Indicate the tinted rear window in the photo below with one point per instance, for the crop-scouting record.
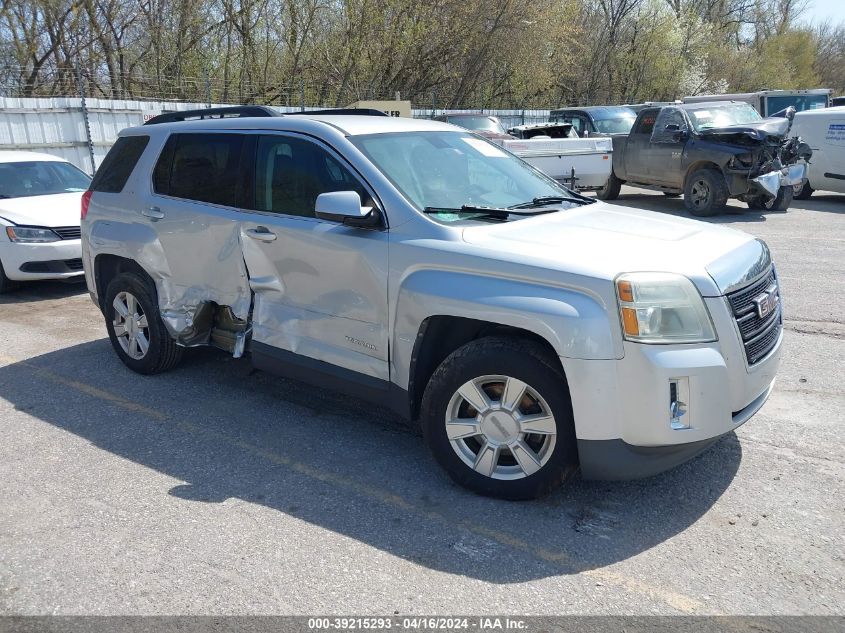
(201, 167)
(118, 164)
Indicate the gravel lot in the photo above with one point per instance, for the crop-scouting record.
(212, 489)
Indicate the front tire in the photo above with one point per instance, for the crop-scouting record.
(802, 192)
(705, 193)
(780, 202)
(6, 284)
(611, 189)
(497, 416)
(135, 328)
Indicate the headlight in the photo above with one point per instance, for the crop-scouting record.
(30, 235)
(662, 308)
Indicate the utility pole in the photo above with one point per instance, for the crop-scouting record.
(81, 87)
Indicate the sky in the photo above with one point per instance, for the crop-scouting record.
(821, 11)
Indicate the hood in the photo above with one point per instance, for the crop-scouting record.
(60, 209)
(601, 240)
(757, 131)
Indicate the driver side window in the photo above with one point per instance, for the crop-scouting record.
(670, 123)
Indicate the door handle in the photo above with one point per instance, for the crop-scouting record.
(153, 212)
(261, 233)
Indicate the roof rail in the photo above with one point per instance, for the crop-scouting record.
(213, 113)
(357, 111)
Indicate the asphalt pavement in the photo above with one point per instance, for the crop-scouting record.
(215, 489)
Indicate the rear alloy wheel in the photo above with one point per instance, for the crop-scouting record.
(497, 416)
(130, 325)
(135, 328)
(706, 193)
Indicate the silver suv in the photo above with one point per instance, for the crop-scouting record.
(529, 329)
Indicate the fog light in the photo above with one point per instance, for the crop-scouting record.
(679, 403)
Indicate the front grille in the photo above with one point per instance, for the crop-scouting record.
(759, 334)
(74, 264)
(68, 232)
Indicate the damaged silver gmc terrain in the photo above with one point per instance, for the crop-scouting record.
(529, 329)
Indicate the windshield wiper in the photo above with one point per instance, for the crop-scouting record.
(546, 200)
(493, 212)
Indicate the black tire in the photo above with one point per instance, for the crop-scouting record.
(705, 193)
(525, 361)
(780, 202)
(611, 189)
(671, 194)
(6, 284)
(163, 353)
(804, 192)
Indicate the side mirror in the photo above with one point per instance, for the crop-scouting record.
(345, 207)
(680, 136)
(790, 112)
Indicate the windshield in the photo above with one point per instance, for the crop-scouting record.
(40, 178)
(449, 170)
(800, 103)
(716, 116)
(478, 123)
(619, 125)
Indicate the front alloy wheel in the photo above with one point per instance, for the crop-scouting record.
(130, 325)
(497, 416)
(501, 427)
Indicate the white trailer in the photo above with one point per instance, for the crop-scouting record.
(584, 162)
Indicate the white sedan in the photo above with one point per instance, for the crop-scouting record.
(40, 197)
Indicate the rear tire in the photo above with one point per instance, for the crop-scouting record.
(780, 202)
(803, 192)
(705, 193)
(611, 189)
(518, 440)
(135, 328)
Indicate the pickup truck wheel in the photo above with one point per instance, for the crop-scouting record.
(611, 189)
(497, 416)
(706, 193)
(802, 192)
(780, 202)
(135, 328)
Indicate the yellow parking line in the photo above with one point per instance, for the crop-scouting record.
(675, 600)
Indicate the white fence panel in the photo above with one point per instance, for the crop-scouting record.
(56, 125)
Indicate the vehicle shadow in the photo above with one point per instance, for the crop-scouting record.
(33, 291)
(228, 431)
(735, 212)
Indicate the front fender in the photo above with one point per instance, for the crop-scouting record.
(577, 324)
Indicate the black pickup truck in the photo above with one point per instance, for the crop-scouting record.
(709, 152)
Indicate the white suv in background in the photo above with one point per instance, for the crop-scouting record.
(39, 217)
(528, 328)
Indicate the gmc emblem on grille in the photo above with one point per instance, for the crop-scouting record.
(766, 301)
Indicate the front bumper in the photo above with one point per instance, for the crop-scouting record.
(51, 260)
(622, 407)
(788, 176)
